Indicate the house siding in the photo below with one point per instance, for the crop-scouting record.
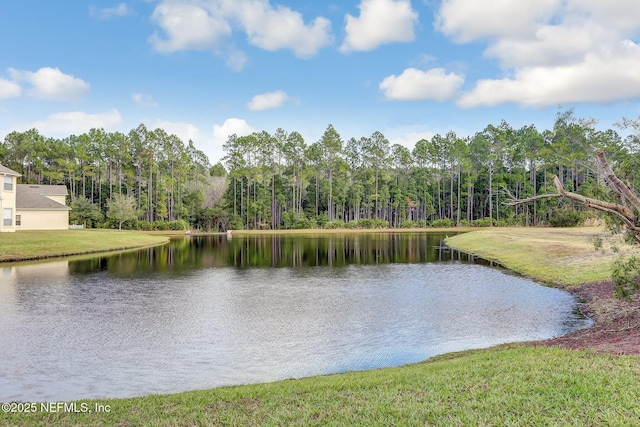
(43, 220)
(8, 202)
(40, 207)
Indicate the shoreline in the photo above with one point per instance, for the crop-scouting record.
(42, 246)
(616, 323)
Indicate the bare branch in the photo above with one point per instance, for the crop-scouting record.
(626, 211)
(616, 184)
(630, 225)
(513, 201)
(594, 203)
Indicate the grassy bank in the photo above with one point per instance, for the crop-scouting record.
(513, 385)
(31, 245)
(560, 256)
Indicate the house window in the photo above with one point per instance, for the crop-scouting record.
(18, 220)
(8, 183)
(8, 217)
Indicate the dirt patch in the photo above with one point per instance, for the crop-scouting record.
(562, 250)
(616, 328)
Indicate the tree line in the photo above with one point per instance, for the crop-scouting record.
(278, 180)
(168, 180)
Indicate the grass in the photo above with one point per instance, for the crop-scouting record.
(31, 245)
(510, 385)
(558, 256)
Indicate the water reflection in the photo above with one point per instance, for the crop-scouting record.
(204, 311)
(185, 254)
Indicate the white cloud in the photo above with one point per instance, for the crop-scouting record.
(207, 25)
(409, 138)
(51, 83)
(9, 89)
(235, 59)
(267, 101)
(551, 45)
(144, 100)
(551, 51)
(597, 79)
(230, 126)
(281, 28)
(380, 22)
(76, 122)
(184, 131)
(112, 12)
(414, 85)
(619, 14)
(467, 20)
(189, 26)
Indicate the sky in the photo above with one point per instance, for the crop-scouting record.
(205, 69)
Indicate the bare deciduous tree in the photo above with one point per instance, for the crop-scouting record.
(214, 191)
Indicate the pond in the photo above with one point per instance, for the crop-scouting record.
(206, 311)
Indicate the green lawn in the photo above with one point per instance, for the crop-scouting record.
(559, 256)
(30, 245)
(512, 385)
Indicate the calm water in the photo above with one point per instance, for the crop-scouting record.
(204, 311)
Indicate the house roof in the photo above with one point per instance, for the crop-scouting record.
(6, 171)
(35, 197)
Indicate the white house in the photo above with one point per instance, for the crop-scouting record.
(41, 207)
(32, 207)
(9, 179)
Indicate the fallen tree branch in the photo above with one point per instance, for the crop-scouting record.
(514, 201)
(615, 183)
(626, 211)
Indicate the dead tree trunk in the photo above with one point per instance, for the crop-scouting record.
(626, 207)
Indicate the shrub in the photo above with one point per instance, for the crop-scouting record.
(408, 224)
(322, 219)
(143, 225)
(484, 222)
(380, 223)
(235, 223)
(160, 225)
(337, 223)
(566, 218)
(178, 224)
(421, 223)
(287, 219)
(597, 241)
(365, 223)
(444, 222)
(625, 273)
(304, 222)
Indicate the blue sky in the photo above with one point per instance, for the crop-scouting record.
(203, 69)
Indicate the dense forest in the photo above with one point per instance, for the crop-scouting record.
(273, 181)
